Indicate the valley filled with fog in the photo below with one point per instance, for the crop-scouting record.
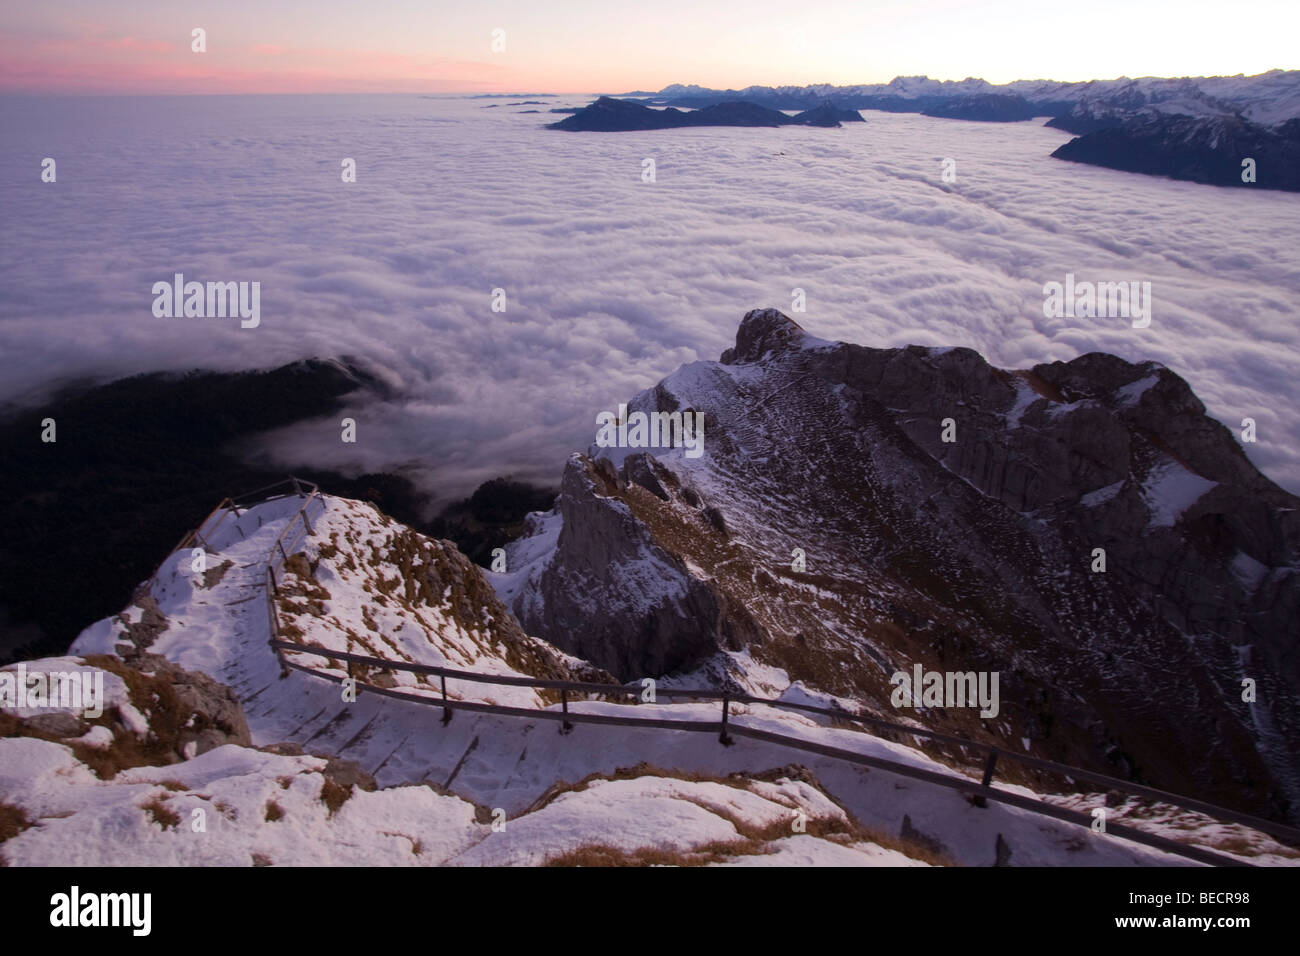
(610, 282)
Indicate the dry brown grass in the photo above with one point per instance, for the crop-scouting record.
(273, 811)
(13, 821)
(600, 854)
(1244, 846)
(212, 576)
(162, 814)
(334, 795)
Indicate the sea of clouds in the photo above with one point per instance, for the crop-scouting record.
(611, 282)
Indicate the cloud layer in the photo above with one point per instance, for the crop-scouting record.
(611, 282)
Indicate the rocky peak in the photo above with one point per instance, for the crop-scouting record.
(763, 331)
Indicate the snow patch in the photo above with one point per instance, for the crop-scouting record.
(1102, 495)
(1169, 490)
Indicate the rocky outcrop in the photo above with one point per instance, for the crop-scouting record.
(154, 713)
(612, 595)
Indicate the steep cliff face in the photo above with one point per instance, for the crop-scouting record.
(613, 594)
(830, 534)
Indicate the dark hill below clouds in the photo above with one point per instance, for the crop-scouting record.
(609, 115)
(140, 461)
(828, 114)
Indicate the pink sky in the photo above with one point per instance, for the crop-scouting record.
(290, 46)
(130, 64)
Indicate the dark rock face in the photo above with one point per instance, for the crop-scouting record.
(607, 559)
(612, 115)
(222, 714)
(213, 713)
(762, 332)
(1203, 150)
(984, 107)
(978, 553)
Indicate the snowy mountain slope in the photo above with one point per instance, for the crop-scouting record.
(974, 555)
(219, 625)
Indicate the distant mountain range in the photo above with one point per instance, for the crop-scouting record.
(1201, 129)
(1267, 98)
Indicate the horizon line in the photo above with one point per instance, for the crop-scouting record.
(19, 92)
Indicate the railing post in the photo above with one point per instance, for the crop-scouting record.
(565, 726)
(446, 711)
(989, 766)
(724, 738)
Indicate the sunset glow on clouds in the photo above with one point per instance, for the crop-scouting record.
(143, 46)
